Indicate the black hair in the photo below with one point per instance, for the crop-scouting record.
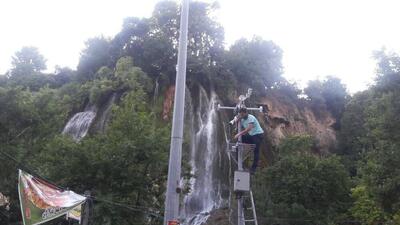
(243, 110)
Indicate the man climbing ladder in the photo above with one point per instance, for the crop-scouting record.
(252, 133)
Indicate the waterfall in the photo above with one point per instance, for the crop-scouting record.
(78, 126)
(210, 175)
(103, 114)
(156, 90)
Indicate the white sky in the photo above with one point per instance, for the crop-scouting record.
(318, 37)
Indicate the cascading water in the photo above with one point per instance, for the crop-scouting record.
(209, 181)
(78, 126)
(156, 90)
(103, 114)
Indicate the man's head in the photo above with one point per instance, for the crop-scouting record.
(243, 112)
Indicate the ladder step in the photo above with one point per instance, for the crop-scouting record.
(249, 220)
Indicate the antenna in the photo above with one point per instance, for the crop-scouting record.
(239, 105)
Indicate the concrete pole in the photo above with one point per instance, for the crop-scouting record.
(175, 157)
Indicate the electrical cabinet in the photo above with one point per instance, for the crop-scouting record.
(241, 181)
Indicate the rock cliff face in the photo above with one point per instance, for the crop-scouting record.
(285, 118)
(168, 102)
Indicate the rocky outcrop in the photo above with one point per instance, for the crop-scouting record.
(168, 102)
(284, 117)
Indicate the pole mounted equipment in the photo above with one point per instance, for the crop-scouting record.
(242, 177)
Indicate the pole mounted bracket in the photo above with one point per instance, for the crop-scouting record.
(240, 104)
(259, 109)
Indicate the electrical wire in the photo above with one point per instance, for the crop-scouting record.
(142, 209)
(28, 169)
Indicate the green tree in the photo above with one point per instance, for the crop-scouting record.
(330, 94)
(314, 92)
(126, 77)
(256, 63)
(296, 145)
(27, 61)
(63, 75)
(3, 80)
(301, 188)
(335, 95)
(365, 209)
(27, 66)
(382, 176)
(388, 64)
(153, 43)
(129, 77)
(370, 136)
(95, 55)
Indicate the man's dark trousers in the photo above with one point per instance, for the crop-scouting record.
(256, 140)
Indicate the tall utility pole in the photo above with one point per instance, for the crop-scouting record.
(174, 168)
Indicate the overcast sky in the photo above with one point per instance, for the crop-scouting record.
(318, 37)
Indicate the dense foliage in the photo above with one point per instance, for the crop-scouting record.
(126, 164)
(370, 135)
(302, 188)
(358, 183)
(329, 93)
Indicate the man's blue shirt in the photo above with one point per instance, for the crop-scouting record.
(256, 125)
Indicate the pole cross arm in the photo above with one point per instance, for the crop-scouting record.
(260, 109)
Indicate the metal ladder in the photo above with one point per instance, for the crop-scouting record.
(245, 217)
(253, 219)
(239, 152)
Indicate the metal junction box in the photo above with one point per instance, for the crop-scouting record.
(241, 181)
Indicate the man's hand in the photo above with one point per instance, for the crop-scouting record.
(251, 126)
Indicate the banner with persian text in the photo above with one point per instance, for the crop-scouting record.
(41, 201)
